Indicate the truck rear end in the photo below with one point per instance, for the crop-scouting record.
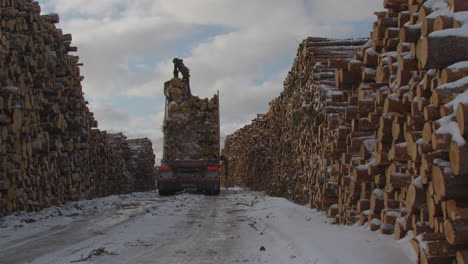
(202, 176)
(191, 155)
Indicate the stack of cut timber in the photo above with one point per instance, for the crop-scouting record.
(191, 124)
(384, 142)
(49, 151)
(283, 146)
(141, 163)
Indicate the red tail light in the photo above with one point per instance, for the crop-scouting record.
(164, 168)
(212, 168)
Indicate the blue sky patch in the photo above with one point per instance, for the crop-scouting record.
(362, 29)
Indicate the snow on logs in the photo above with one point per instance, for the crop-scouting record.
(384, 141)
(50, 150)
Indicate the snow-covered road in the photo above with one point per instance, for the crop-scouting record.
(239, 226)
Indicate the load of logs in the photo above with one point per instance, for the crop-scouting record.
(191, 124)
(375, 136)
(50, 150)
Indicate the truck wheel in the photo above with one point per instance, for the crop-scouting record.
(214, 191)
(164, 192)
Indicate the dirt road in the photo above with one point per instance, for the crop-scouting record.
(239, 226)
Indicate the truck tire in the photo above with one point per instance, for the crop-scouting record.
(214, 191)
(165, 192)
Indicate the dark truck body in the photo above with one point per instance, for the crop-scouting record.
(188, 174)
(182, 167)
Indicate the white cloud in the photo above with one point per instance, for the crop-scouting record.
(108, 115)
(117, 38)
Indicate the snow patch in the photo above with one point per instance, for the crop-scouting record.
(418, 183)
(370, 145)
(451, 32)
(458, 66)
(435, 4)
(379, 193)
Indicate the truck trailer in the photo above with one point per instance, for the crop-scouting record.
(191, 128)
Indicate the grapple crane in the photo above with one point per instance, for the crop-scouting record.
(180, 67)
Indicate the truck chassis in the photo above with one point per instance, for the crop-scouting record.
(177, 176)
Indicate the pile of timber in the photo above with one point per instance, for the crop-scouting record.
(191, 124)
(140, 163)
(50, 150)
(281, 150)
(377, 137)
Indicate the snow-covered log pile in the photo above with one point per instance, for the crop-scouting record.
(383, 143)
(191, 130)
(49, 152)
(282, 150)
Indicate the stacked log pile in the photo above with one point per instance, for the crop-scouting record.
(191, 130)
(141, 163)
(279, 151)
(49, 149)
(382, 143)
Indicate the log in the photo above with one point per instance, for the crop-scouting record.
(399, 232)
(370, 58)
(462, 256)
(459, 159)
(447, 92)
(457, 5)
(441, 141)
(432, 50)
(456, 210)
(415, 245)
(377, 201)
(432, 236)
(431, 113)
(416, 195)
(446, 185)
(398, 152)
(454, 72)
(435, 259)
(403, 17)
(456, 231)
(394, 104)
(439, 248)
(462, 118)
(410, 33)
(399, 179)
(443, 22)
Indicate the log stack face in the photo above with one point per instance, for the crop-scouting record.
(280, 151)
(140, 163)
(376, 136)
(50, 151)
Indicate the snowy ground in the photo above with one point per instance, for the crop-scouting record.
(239, 226)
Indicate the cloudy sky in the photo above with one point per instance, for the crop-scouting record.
(243, 48)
